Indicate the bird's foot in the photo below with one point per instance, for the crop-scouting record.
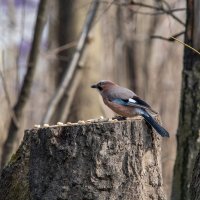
(119, 118)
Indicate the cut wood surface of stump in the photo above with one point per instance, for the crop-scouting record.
(97, 161)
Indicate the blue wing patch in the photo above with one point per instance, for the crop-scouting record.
(131, 102)
(135, 102)
(125, 102)
(120, 102)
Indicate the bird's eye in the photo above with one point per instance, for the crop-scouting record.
(100, 86)
(101, 83)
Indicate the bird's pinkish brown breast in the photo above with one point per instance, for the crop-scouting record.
(119, 109)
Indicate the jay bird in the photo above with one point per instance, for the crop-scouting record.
(126, 103)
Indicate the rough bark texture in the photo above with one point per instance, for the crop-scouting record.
(195, 184)
(188, 144)
(112, 160)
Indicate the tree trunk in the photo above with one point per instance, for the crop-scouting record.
(113, 160)
(188, 144)
(195, 184)
(24, 94)
(118, 45)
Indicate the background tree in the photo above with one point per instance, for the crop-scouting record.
(120, 48)
(19, 107)
(189, 118)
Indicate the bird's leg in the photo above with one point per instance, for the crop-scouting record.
(119, 118)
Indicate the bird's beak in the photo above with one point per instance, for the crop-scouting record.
(94, 86)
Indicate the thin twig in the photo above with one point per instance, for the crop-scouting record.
(157, 13)
(167, 11)
(27, 83)
(132, 3)
(104, 11)
(60, 48)
(4, 85)
(73, 64)
(185, 44)
(170, 13)
(170, 39)
(22, 30)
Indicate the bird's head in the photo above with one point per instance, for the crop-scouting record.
(103, 85)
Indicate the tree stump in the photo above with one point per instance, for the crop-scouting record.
(97, 161)
(195, 184)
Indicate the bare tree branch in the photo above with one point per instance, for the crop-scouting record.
(104, 11)
(27, 83)
(167, 11)
(184, 44)
(73, 64)
(4, 85)
(61, 48)
(158, 13)
(22, 33)
(170, 39)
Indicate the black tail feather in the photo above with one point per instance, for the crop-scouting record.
(155, 125)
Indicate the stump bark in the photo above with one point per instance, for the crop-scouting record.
(195, 183)
(98, 161)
